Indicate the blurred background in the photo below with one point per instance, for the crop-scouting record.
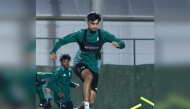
(155, 59)
(126, 74)
(17, 56)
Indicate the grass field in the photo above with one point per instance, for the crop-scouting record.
(119, 87)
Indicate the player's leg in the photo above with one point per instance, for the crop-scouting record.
(83, 72)
(45, 104)
(62, 106)
(87, 76)
(94, 88)
(70, 105)
(92, 99)
(42, 104)
(49, 104)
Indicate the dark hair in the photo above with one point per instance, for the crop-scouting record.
(92, 16)
(65, 57)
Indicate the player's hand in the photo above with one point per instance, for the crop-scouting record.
(47, 90)
(77, 86)
(53, 56)
(115, 44)
(61, 95)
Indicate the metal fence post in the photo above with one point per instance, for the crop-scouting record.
(134, 68)
(54, 62)
(134, 52)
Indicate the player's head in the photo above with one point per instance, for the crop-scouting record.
(65, 60)
(93, 19)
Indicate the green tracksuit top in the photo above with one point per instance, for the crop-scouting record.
(91, 59)
(61, 81)
(40, 90)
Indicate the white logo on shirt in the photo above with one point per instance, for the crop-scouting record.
(63, 105)
(91, 47)
(97, 38)
(41, 104)
(69, 74)
(96, 88)
(82, 67)
(64, 75)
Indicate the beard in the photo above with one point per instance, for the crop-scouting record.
(93, 29)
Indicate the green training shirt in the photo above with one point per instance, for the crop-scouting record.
(61, 81)
(91, 59)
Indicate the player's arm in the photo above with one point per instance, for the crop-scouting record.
(52, 82)
(114, 40)
(63, 41)
(44, 74)
(73, 84)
